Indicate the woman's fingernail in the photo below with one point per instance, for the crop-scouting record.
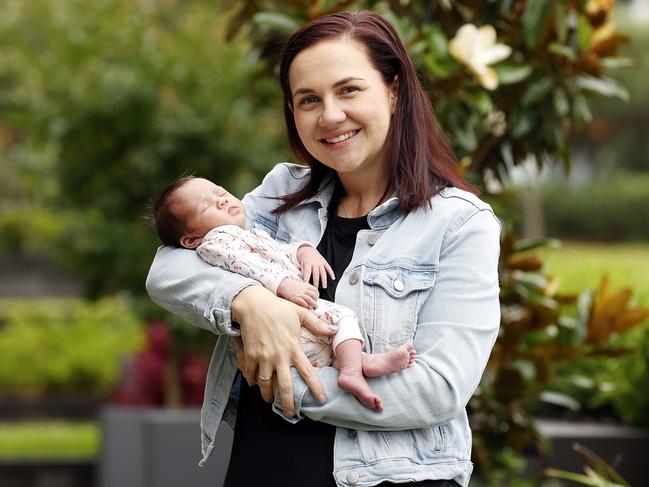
(322, 398)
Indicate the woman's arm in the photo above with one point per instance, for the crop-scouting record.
(457, 329)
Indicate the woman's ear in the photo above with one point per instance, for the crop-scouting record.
(394, 93)
(190, 242)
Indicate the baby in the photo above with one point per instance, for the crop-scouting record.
(196, 214)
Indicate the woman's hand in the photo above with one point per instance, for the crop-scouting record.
(270, 329)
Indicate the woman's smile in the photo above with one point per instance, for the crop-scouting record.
(337, 140)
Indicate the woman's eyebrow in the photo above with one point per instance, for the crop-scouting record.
(302, 91)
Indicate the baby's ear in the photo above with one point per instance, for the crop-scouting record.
(190, 242)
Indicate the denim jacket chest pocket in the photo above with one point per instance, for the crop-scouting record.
(393, 295)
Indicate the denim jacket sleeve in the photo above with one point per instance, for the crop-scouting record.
(456, 329)
(183, 284)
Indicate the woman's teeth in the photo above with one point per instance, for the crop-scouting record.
(342, 137)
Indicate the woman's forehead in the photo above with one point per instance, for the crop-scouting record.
(330, 61)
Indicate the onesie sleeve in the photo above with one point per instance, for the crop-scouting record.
(229, 250)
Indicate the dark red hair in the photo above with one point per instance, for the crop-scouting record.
(420, 159)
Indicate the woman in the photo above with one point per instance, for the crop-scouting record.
(415, 255)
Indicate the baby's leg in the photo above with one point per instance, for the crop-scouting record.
(348, 348)
(351, 379)
(378, 364)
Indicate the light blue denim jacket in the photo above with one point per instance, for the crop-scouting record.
(430, 276)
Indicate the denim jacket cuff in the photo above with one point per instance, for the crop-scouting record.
(218, 310)
(299, 390)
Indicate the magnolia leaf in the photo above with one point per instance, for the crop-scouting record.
(521, 123)
(509, 73)
(562, 50)
(559, 399)
(610, 351)
(525, 244)
(618, 62)
(581, 110)
(528, 263)
(584, 33)
(560, 21)
(535, 19)
(536, 91)
(277, 21)
(604, 86)
(561, 104)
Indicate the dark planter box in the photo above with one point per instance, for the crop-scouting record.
(159, 448)
(47, 473)
(623, 447)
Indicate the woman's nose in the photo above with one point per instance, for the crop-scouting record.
(332, 114)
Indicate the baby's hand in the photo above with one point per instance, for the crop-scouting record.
(298, 292)
(313, 265)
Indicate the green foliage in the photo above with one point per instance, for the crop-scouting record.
(539, 340)
(113, 100)
(65, 345)
(615, 385)
(609, 208)
(49, 439)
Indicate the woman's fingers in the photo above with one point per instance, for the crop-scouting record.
(308, 373)
(315, 324)
(250, 370)
(265, 383)
(285, 388)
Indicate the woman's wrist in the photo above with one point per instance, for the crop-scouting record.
(244, 300)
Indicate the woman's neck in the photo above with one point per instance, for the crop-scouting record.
(360, 196)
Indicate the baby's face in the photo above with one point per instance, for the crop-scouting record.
(203, 205)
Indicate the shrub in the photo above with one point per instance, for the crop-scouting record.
(612, 209)
(65, 345)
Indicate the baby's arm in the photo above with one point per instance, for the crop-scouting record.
(229, 251)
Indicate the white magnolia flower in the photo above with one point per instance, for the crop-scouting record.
(477, 49)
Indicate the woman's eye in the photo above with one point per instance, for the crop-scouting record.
(349, 89)
(308, 100)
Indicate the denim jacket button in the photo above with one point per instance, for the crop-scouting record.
(352, 434)
(398, 285)
(352, 478)
(353, 278)
(372, 239)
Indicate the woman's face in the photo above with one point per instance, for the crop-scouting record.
(342, 107)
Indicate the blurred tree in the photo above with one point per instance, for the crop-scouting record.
(106, 103)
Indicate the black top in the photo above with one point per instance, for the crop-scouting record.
(269, 451)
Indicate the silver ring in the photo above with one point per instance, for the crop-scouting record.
(261, 377)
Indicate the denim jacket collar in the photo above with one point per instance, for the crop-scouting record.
(379, 218)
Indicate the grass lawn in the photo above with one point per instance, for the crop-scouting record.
(581, 265)
(49, 439)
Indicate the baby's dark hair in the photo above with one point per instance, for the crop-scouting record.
(168, 225)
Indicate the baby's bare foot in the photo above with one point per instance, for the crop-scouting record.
(377, 364)
(352, 381)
